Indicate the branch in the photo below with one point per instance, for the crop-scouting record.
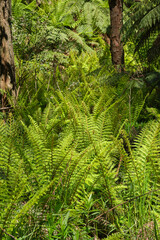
(5, 108)
(3, 230)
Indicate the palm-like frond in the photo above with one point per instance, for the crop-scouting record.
(144, 26)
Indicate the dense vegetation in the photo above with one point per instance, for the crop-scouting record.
(80, 142)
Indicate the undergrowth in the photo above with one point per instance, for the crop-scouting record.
(80, 143)
(79, 167)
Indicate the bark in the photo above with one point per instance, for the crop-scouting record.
(7, 68)
(116, 18)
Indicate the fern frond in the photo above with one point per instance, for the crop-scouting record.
(13, 180)
(79, 40)
(145, 24)
(141, 160)
(115, 236)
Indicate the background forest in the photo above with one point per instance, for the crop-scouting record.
(80, 136)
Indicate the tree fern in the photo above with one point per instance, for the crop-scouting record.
(94, 16)
(145, 23)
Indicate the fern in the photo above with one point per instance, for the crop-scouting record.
(140, 172)
(145, 23)
(94, 16)
(14, 181)
(71, 150)
(143, 148)
(114, 236)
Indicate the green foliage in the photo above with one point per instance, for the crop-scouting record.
(94, 17)
(80, 146)
(143, 25)
(114, 236)
(68, 157)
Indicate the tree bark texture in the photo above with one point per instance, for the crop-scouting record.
(116, 18)
(7, 68)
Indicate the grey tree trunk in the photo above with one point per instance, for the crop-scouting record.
(116, 18)
(7, 68)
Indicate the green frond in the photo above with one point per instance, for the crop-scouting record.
(146, 145)
(144, 23)
(115, 236)
(141, 162)
(79, 40)
(95, 15)
(19, 8)
(136, 108)
(13, 180)
(154, 50)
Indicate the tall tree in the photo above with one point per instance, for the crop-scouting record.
(116, 18)
(7, 68)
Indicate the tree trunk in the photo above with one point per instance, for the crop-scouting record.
(116, 18)
(7, 68)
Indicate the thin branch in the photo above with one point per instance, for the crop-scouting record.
(119, 166)
(3, 230)
(5, 108)
(111, 209)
